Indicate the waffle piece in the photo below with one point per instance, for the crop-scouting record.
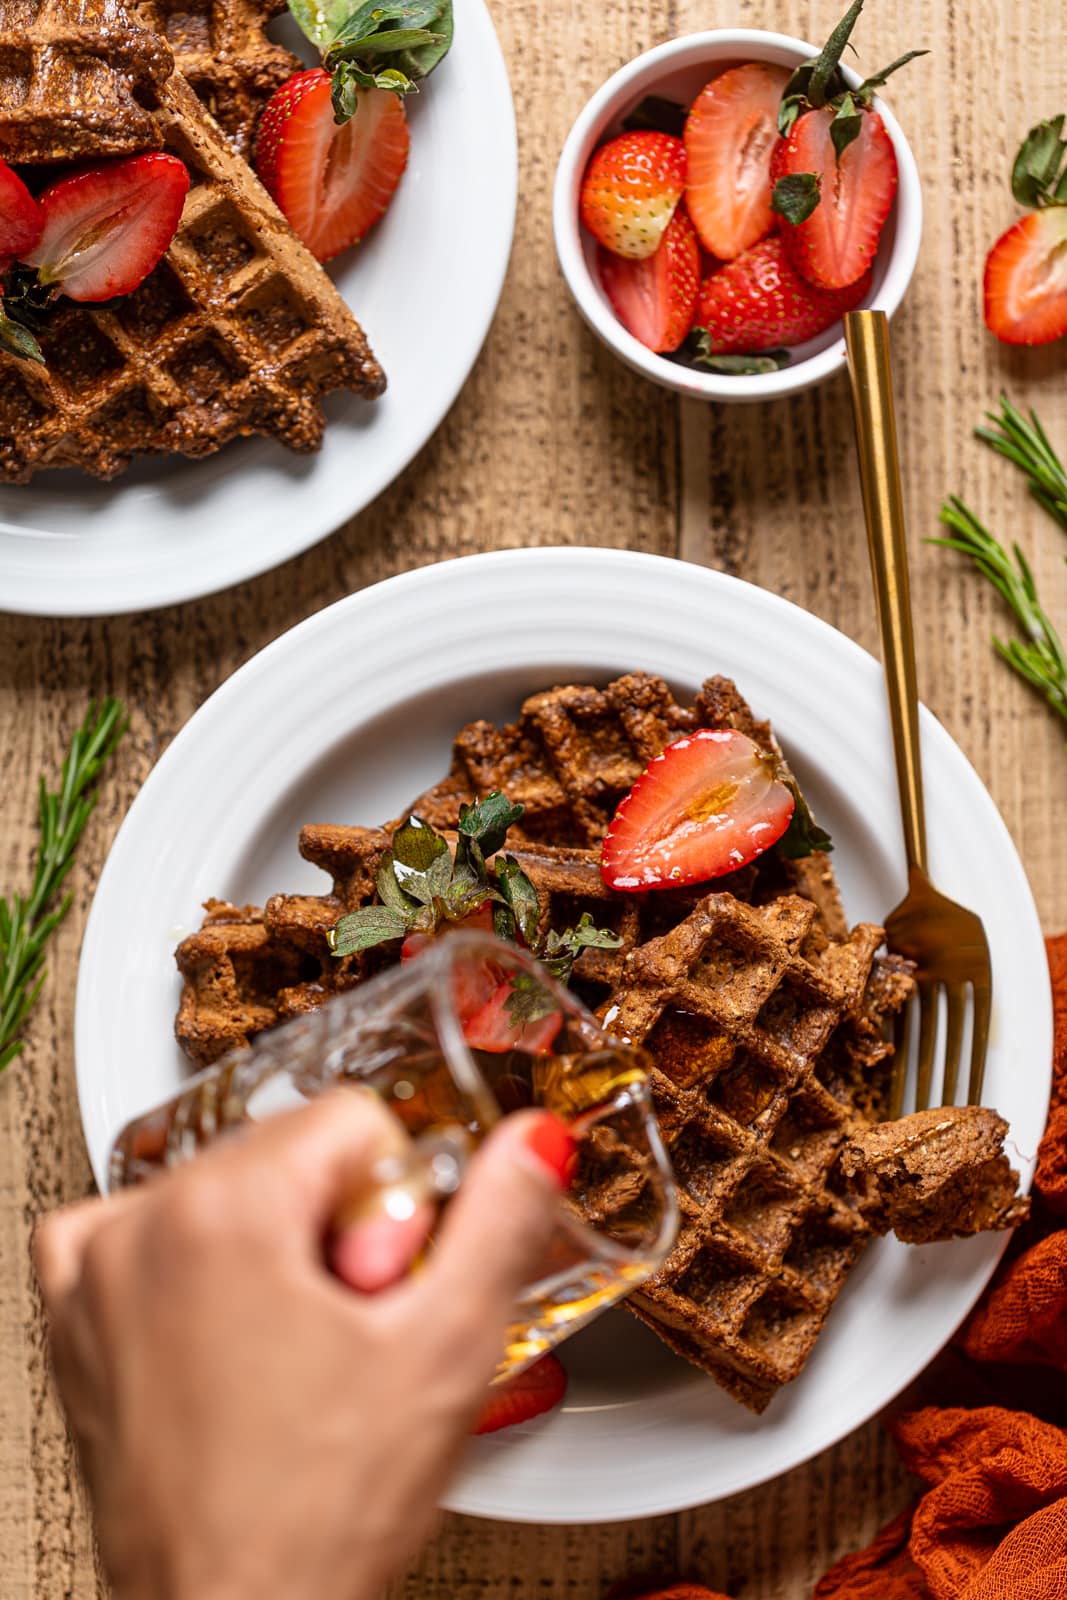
(237, 331)
(937, 1174)
(569, 759)
(736, 1019)
(221, 49)
(78, 79)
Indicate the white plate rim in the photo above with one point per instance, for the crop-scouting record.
(566, 565)
(32, 584)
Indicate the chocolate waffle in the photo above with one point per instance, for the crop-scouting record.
(937, 1174)
(78, 79)
(221, 49)
(736, 1011)
(237, 331)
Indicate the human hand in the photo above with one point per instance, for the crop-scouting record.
(248, 1424)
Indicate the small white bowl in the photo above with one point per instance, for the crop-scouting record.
(678, 71)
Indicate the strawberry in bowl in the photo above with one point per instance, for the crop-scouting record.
(748, 112)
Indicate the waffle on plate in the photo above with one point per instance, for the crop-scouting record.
(222, 51)
(237, 331)
(763, 1014)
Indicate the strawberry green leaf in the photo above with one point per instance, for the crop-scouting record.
(792, 103)
(416, 846)
(19, 341)
(795, 196)
(320, 20)
(845, 127)
(825, 74)
(804, 836)
(654, 114)
(488, 821)
(866, 89)
(698, 349)
(368, 926)
(529, 1000)
(521, 898)
(385, 46)
(561, 950)
(1038, 163)
(389, 889)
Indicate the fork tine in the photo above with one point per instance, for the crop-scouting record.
(898, 1077)
(983, 999)
(953, 1040)
(928, 993)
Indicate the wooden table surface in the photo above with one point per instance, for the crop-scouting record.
(553, 442)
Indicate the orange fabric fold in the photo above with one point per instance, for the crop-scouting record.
(991, 1470)
(992, 1524)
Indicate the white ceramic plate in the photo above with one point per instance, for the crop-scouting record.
(350, 715)
(424, 285)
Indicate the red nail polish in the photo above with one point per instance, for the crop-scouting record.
(552, 1142)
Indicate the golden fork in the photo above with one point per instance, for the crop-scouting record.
(946, 942)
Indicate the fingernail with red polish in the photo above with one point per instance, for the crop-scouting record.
(551, 1141)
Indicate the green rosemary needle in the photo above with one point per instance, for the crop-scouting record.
(1039, 657)
(1024, 441)
(27, 921)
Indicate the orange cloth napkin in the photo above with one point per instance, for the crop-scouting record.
(992, 1523)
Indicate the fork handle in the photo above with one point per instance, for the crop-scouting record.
(867, 338)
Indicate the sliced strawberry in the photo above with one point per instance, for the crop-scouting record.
(1025, 286)
(331, 183)
(709, 804)
(835, 246)
(730, 133)
(528, 1395)
(759, 301)
(655, 298)
(493, 1027)
(21, 218)
(107, 227)
(630, 190)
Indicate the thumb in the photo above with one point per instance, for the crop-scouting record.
(496, 1231)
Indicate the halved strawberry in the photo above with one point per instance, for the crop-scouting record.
(1025, 283)
(1026, 270)
(837, 242)
(528, 1395)
(21, 218)
(655, 298)
(709, 804)
(730, 133)
(759, 301)
(107, 227)
(331, 183)
(629, 192)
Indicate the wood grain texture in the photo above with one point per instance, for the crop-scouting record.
(553, 442)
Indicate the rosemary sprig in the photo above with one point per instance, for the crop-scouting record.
(26, 922)
(1024, 441)
(1040, 658)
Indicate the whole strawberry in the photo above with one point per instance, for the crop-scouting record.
(630, 190)
(759, 301)
(834, 169)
